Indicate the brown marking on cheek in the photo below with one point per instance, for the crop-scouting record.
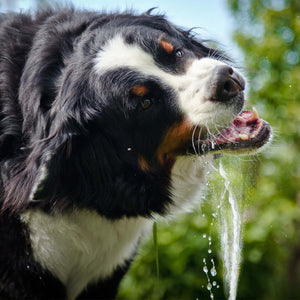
(169, 48)
(143, 164)
(139, 90)
(175, 142)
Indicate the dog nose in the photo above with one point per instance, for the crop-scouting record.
(227, 82)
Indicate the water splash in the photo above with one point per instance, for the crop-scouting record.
(209, 285)
(230, 229)
(213, 270)
(210, 270)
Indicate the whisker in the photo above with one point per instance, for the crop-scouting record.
(193, 140)
(199, 135)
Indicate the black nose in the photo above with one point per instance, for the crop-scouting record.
(227, 83)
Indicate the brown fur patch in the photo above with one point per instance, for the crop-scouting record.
(139, 90)
(143, 164)
(175, 141)
(167, 46)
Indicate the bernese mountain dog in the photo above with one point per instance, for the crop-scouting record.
(106, 120)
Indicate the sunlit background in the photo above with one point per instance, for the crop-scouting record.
(263, 36)
(212, 19)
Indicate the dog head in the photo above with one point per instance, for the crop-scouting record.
(129, 95)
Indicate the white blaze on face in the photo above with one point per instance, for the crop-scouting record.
(191, 87)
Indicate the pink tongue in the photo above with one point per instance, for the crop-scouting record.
(242, 128)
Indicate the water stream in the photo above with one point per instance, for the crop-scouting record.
(227, 215)
(230, 231)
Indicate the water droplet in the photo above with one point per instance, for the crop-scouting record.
(204, 235)
(204, 260)
(205, 269)
(213, 271)
(209, 286)
(218, 286)
(290, 85)
(214, 283)
(209, 251)
(212, 296)
(214, 215)
(209, 238)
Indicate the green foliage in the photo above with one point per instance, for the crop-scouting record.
(268, 32)
(181, 249)
(269, 35)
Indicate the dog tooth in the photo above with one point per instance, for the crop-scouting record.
(254, 114)
(243, 137)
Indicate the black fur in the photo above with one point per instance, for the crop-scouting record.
(86, 130)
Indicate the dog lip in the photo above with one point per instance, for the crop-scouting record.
(246, 133)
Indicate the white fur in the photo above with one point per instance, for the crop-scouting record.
(191, 87)
(42, 174)
(188, 178)
(82, 247)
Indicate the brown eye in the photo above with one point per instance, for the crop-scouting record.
(146, 103)
(179, 53)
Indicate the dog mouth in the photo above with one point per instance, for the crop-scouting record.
(246, 134)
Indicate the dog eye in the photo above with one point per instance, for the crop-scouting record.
(179, 53)
(146, 103)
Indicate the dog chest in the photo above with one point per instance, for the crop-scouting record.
(81, 247)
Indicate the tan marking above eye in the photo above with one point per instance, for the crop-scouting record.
(139, 90)
(169, 48)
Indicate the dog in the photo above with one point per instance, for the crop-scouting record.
(107, 120)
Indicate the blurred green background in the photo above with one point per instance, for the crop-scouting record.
(267, 185)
